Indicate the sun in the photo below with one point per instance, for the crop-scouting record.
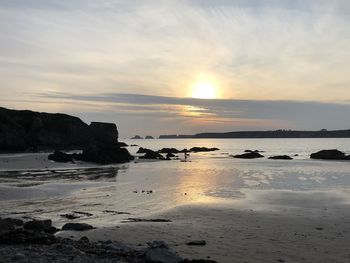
(204, 90)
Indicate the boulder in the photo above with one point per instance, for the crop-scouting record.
(330, 155)
(203, 149)
(137, 137)
(152, 155)
(249, 155)
(251, 151)
(149, 137)
(40, 225)
(106, 154)
(169, 150)
(144, 150)
(61, 157)
(6, 227)
(77, 226)
(197, 243)
(159, 252)
(281, 157)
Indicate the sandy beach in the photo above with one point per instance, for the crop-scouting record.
(293, 230)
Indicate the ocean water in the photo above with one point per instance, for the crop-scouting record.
(143, 188)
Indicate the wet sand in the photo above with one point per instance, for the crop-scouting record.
(302, 227)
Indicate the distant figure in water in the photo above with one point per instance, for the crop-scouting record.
(186, 154)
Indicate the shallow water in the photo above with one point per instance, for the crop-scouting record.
(215, 177)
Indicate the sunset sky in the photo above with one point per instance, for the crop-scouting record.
(146, 65)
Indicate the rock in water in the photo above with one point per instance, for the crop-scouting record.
(106, 154)
(330, 155)
(281, 157)
(203, 149)
(77, 226)
(249, 155)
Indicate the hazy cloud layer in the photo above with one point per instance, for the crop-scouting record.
(156, 115)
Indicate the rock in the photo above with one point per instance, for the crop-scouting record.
(122, 144)
(40, 226)
(151, 155)
(249, 155)
(23, 130)
(6, 227)
(197, 243)
(169, 150)
(281, 157)
(23, 236)
(330, 155)
(20, 258)
(144, 150)
(203, 149)
(106, 154)
(77, 226)
(137, 137)
(61, 157)
(159, 252)
(14, 221)
(149, 137)
(170, 155)
(104, 133)
(251, 151)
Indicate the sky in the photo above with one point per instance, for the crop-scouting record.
(271, 64)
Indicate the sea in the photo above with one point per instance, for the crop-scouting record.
(33, 187)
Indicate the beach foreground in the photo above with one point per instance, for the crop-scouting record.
(295, 230)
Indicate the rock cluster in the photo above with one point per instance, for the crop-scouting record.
(330, 155)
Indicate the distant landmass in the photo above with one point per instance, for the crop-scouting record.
(265, 134)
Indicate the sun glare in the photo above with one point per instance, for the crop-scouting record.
(204, 90)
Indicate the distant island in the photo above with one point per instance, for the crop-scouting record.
(265, 134)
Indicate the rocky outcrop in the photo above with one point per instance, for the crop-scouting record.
(148, 137)
(249, 155)
(138, 137)
(203, 149)
(23, 130)
(105, 154)
(281, 157)
(77, 227)
(330, 155)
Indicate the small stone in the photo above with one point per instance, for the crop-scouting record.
(197, 243)
(77, 226)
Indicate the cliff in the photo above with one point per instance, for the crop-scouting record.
(24, 130)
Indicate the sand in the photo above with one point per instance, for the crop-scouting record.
(306, 227)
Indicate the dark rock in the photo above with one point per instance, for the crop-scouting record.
(104, 133)
(149, 137)
(253, 151)
(197, 243)
(144, 150)
(14, 221)
(122, 144)
(138, 137)
(159, 252)
(23, 236)
(133, 145)
(150, 154)
(61, 157)
(170, 155)
(40, 225)
(330, 155)
(77, 226)
(6, 227)
(136, 220)
(203, 149)
(23, 130)
(249, 155)
(169, 150)
(281, 157)
(106, 154)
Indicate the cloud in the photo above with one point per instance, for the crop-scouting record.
(187, 115)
